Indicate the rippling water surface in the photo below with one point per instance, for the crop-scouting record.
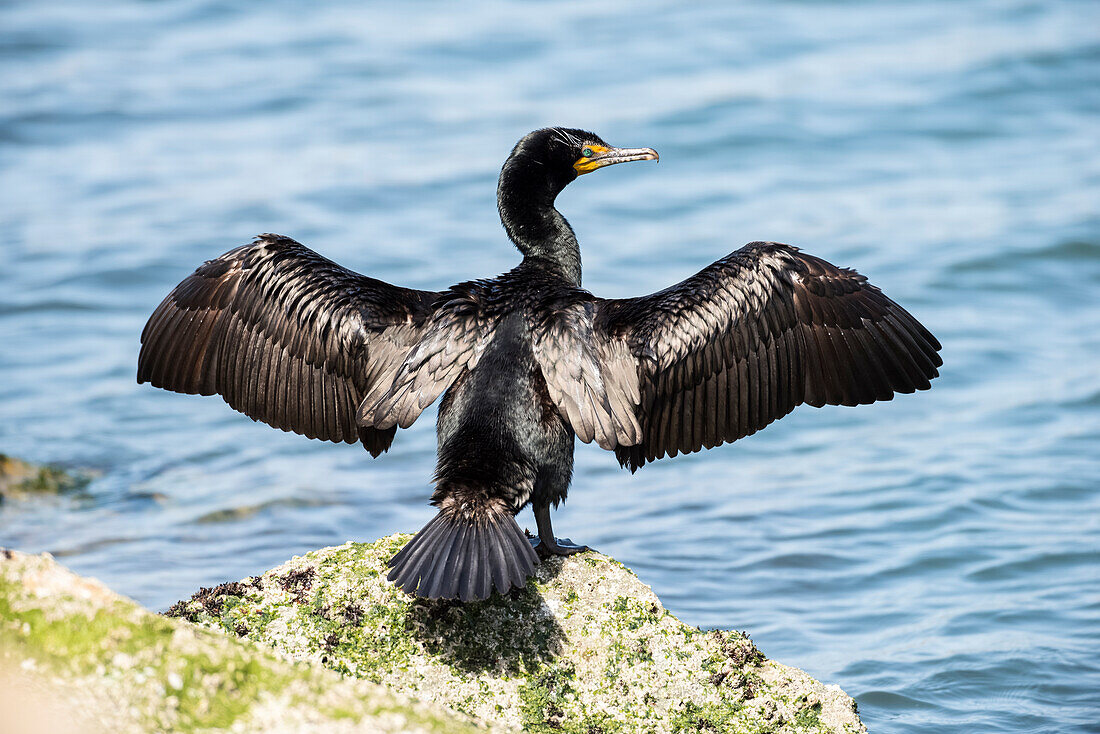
(937, 556)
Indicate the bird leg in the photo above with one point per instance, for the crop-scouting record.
(546, 542)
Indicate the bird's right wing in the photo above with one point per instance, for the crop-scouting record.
(726, 352)
(285, 336)
(753, 335)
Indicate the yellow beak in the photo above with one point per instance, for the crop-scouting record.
(602, 156)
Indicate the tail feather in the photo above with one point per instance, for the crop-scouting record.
(452, 569)
(448, 557)
(418, 556)
(498, 562)
(516, 547)
(409, 554)
(457, 556)
(479, 571)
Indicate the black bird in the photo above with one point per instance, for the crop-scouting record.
(528, 361)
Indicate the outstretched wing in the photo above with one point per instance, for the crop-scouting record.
(742, 343)
(593, 380)
(286, 337)
(451, 344)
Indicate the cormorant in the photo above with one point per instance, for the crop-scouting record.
(528, 361)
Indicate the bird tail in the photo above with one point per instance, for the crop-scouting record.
(464, 556)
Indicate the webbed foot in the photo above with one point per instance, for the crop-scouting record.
(545, 544)
(556, 546)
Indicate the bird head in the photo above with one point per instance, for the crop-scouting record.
(565, 153)
(542, 164)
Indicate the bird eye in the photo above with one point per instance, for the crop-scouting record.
(587, 153)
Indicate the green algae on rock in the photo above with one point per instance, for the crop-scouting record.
(73, 651)
(20, 479)
(585, 647)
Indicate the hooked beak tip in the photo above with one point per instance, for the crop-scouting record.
(615, 155)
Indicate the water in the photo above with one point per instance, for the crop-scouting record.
(936, 556)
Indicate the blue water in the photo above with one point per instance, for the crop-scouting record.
(937, 556)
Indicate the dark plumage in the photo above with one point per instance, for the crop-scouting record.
(528, 361)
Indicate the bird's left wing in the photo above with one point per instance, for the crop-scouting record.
(285, 336)
(727, 351)
(451, 344)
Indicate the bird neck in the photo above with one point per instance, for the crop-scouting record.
(526, 204)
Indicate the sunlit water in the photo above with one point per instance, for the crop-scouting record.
(937, 556)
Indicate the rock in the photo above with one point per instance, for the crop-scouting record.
(585, 647)
(20, 479)
(76, 657)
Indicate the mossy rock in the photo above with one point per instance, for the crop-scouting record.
(585, 647)
(75, 656)
(20, 479)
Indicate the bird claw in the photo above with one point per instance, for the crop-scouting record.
(557, 547)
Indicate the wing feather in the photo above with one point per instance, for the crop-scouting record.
(451, 343)
(286, 337)
(592, 380)
(743, 342)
